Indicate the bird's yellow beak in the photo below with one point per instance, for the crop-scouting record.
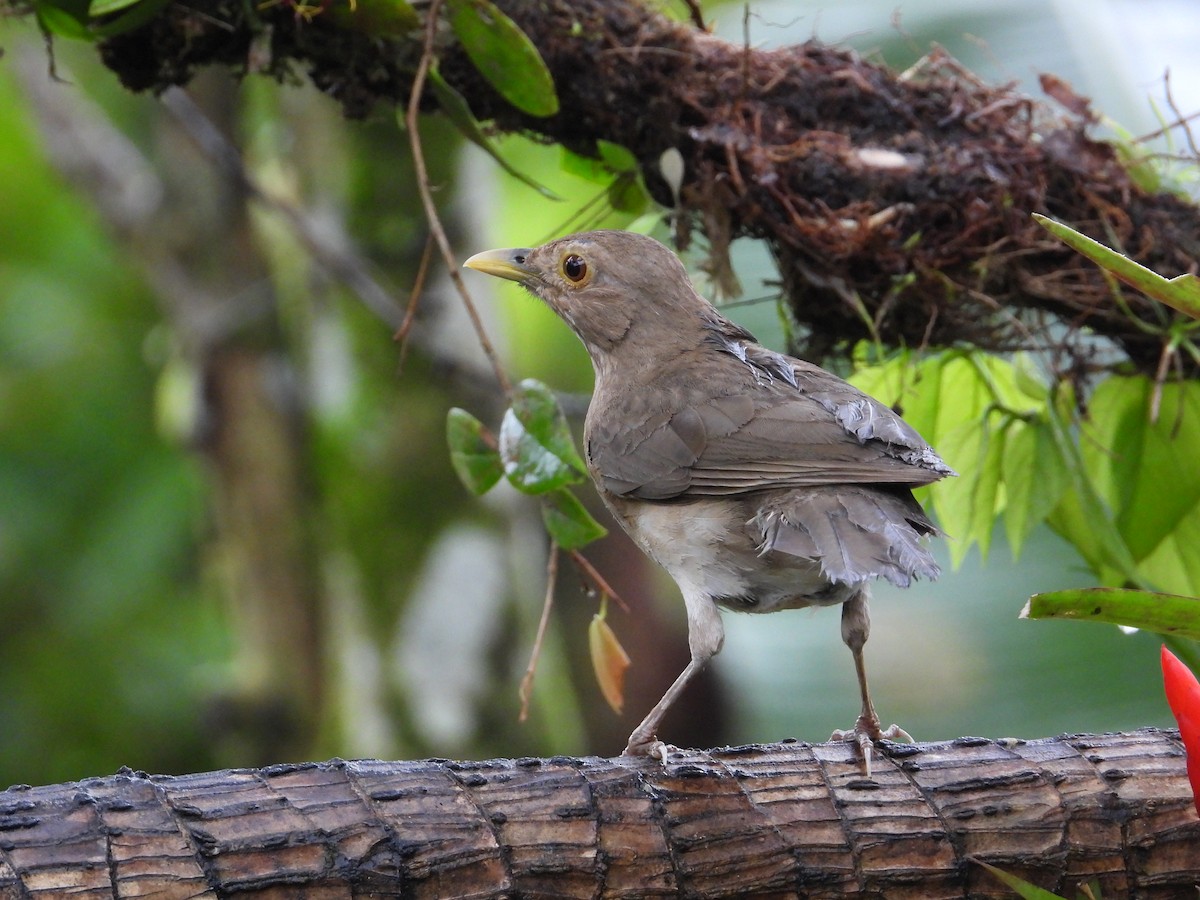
(508, 264)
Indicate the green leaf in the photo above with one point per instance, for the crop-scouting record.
(376, 17)
(528, 464)
(1075, 520)
(1146, 471)
(138, 14)
(567, 522)
(105, 7)
(617, 158)
(610, 159)
(963, 441)
(585, 167)
(472, 451)
(1082, 517)
(453, 104)
(1035, 479)
(1164, 613)
(1175, 565)
(58, 19)
(1026, 890)
(627, 195)
(535, 442)
(1181, 293)
(987, 500)
(504, 55)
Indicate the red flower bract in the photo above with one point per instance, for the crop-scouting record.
(1183, 696)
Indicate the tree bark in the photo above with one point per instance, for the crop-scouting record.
(780, 820)
(896, 204)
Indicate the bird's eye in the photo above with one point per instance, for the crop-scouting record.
(574, 268)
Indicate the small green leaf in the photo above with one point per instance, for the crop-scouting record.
(58, 19)
(1026, 890)
(1181, 293)
(137, 15)
(504, 55)
(473, 451)
(536, 417)
(617, 158)
(568, 522)
(105, 7)
(528, 465)
(626, 194)
(585, 167)
(1165, 613)
(535, 442)
(452, 103)
(376, 17)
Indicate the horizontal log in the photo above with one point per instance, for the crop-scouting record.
(788, 820)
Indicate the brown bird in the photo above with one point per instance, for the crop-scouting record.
(758, 481)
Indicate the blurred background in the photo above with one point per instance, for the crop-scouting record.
(230, 533)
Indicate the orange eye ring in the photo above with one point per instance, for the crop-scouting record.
(574, 268)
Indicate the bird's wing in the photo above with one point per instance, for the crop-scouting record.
(819, 431)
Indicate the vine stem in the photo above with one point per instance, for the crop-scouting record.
(411, 120)
(526, 690)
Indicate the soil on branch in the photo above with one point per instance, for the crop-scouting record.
(897, 206)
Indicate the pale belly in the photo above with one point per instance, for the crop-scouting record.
(711, 548)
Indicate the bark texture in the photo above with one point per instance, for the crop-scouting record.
(781, 820)
(896, 204)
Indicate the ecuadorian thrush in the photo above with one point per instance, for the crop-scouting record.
(760, 482)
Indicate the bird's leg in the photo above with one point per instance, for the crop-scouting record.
(856, 627)
(644, 740)
(705, 637)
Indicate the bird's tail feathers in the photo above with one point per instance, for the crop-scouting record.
(855, 533)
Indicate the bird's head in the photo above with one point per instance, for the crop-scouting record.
(617, 290)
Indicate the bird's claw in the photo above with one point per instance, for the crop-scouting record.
(865, 733)
(648, 745)
(895, 733)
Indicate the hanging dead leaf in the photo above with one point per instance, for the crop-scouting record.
(610, 661)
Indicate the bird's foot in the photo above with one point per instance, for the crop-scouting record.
(865, 732)
(651, 746)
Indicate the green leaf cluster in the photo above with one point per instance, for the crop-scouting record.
(510, 62)
(1142, 463)
(616, 168)
(1118, 483)
(535, 452)
(992, 420)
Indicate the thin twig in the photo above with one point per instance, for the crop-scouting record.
(414, 299)
(693, 7)
(597, 579)
(526, 689)
(412, 121)
(1181, 121)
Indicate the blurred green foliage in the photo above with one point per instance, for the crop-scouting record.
(119, 643)
(106, 630)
